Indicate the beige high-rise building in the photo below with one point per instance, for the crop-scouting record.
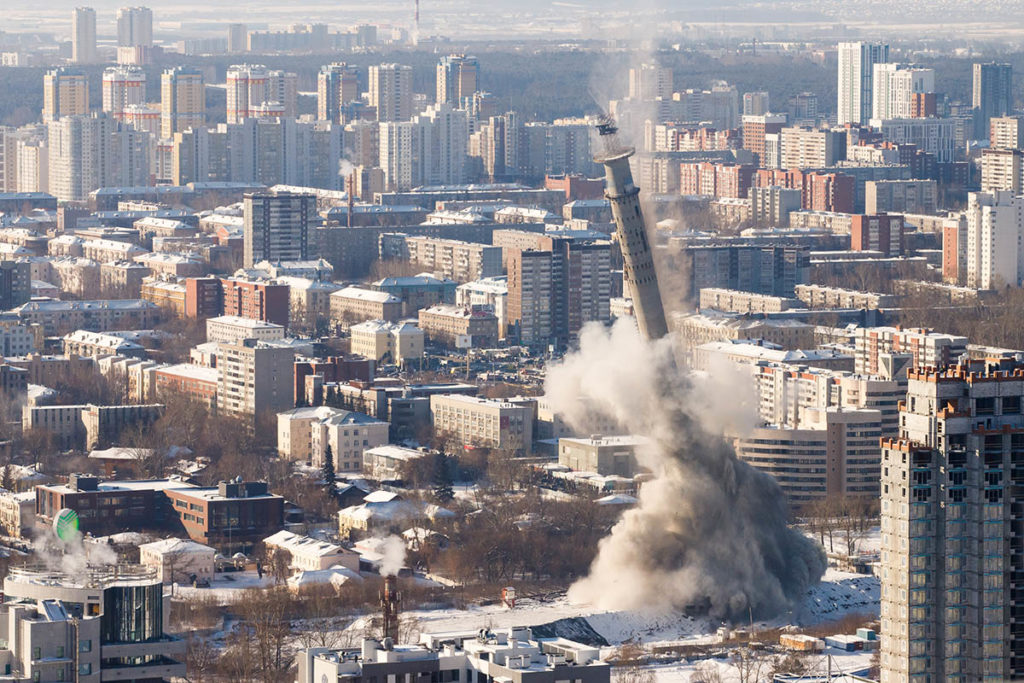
(123, 86)
(182, 101)
(254, 378)
(1006, 132)
(65, 93)
(89, 152)
(33, 165)
(83, 36)
(283, 88)
(952, 567)
(336, 85)
(390, 87)
(1002, 169)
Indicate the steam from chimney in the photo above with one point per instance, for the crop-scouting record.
(393, 550)
(709, 531)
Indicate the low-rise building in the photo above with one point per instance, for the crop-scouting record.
(484, 423)
(389, 462)
(459, 327)
(310, 554)
(232, 328)
(820, 296)
(736, 301)
(178, 560)
(353, 305)
(232, 516)
(604, 455)
(386, 342)
(98, 344)
(17, 513)
(61, 317)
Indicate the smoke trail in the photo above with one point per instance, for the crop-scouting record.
(393, 550)
(709, 530)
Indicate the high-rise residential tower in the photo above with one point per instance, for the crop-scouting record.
(277, 227)
(65, 93)
(135, 27)
(458, 77)
(856, 73)
(952, 560)
(83, 36)
(336, 85)
(992, 95)
(390, 87)
(123, 86)
(182, 100)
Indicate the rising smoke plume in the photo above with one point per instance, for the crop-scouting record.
(709, 530)
(392, 548)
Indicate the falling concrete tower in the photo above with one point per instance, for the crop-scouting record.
(640, 276)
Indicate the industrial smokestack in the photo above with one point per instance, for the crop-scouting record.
(389, 600)
(641, 278)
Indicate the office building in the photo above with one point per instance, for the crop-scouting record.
(277, 227)
(951, 563)
(855, 82)
(602, 455)
(336, 86)
(83, 36)
(513, 655)
(390, 87)
(123, 86)
(65, 93)
(458, 77)
(991, 95)
(182, 101)
(232, 517)
(894, 87)
(108, 623)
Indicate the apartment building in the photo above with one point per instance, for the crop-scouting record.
(820, 296)
(451, 259)
(734, 301)
(398, 342)
(61, 317)
(305, 433)
(951, 563)
(484, 423)
(353, 304)
(926, 348)
(254, 378)
(459, 326)
(231, 328)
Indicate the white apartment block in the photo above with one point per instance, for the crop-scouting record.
(1002, 169)
(303, 434)
(925, 348)
(855, 82)
(483, 423)
(893, 89)
(995, 240)
(232, 328)
(951, 559)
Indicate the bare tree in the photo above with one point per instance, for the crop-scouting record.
(749, 665)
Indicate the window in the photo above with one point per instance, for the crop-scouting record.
(37, 653)
(85, 669)
(85, 646)
(60, 651)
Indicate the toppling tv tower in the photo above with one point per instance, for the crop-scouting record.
(640, 276)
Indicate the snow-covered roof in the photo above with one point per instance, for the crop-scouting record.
(177, 546)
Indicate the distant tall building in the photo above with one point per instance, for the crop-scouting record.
(995, 235)
(856, 71)
(1006, 132)
(277, 227)
(135, 27)
(952, 567)
(894, 87)
(390, 88)
(254, 379)
(251, 87)
(756, 103)
(458, 77)
(803, 107)
(237, 38)
(123, 86)
(90, 152)
(182, 101)
(336, 85)
(650, 81)
(65, 93)
(83, 36)
(992, 95)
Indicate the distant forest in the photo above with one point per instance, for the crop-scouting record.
(541, 84)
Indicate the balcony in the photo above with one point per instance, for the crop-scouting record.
(164, 669)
